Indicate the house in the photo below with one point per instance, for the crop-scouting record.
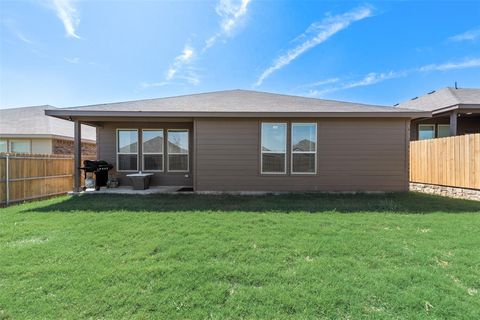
(29, 130)
(252, 141)
(455, 111)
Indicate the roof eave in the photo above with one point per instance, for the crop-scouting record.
(71, 114)
(455, 107)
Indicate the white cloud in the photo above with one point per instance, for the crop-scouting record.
(68, 14)
(316, 34)
(468, 63)
(12, 26)
(183, 59)
(182, 69)
(231, 13)
(154, 84)
(374, 78)
(75, 60)
(470, 35)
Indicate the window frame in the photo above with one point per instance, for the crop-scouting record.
(427, 125)
(154, 153)
(175, 153)
(303, 152)
(438, 130)
(119, 153)
(273, 152)
(10, 141)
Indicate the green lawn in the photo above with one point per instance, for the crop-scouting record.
(304, 256)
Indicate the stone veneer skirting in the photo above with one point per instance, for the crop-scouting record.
(453, 192)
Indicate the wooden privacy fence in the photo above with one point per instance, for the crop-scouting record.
(31, 176)
(452, 161)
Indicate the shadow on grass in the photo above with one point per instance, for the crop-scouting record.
(301, 202)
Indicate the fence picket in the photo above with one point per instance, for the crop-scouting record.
(451, 161)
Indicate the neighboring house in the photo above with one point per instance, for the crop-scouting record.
(29, 130)
(454, 111)
(252, 141)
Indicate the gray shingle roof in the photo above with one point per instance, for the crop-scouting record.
(32, 121)
(443, 98)
(235, 101)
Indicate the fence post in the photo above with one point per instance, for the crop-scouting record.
(7, 179)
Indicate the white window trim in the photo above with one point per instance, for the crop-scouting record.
(119, 153)
(273, 152)
(303, 152)
(427, 125)
(176, 153)
(438, 130)
(9, 147)
(155, 153)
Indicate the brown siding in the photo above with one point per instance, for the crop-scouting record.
(106, 139)
(353, 155)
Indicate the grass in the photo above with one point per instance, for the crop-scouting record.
(304, 256)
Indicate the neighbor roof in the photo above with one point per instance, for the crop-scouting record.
(32, 122)
(444, 100)
(234, 103)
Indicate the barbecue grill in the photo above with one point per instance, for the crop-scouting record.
(100, 168)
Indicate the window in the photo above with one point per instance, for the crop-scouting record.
(3, 146)
(274, 148)
(426, 131)
(20, 146)
(304, 147)
(127, 150)
(443, 130)
(177, 148)
(152, 149)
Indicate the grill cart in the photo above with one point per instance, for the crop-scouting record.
(98, 168)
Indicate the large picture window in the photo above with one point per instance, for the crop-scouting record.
(127, 150)
(177, 148)
(3, 146)
(426, 131)
(274, 148)
(20, 146)
(443, 131)
(304, 147)
(152, 149)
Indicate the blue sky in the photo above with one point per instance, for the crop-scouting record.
(69, 53)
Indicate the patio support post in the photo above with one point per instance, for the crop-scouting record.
(453, 123)
(77, 155)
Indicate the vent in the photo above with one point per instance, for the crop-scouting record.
(396, 104)
(431, 92)
(414, 98)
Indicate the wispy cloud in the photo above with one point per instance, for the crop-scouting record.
(181, 68)
(316, 34)
(68, 14)
(374, 78)
(465, 64)
(231, 14)
(12, 26)
(470, 35)
(75, 60)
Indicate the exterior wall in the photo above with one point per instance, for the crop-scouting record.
(465, 125)
(358, 154)
(107, 139)
(61, 146)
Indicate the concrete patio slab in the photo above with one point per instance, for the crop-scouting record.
(129, 190)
